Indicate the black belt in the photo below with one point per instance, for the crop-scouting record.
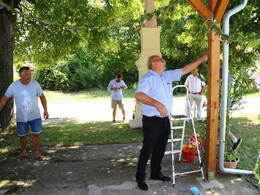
(155, 117)
(195, 93)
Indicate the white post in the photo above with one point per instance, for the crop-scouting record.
(150, 45)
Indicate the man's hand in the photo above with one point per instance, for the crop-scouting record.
(162, 109)
(44, 105)
(142, 97)
(3, 101)
(46, 114)
(122, 87)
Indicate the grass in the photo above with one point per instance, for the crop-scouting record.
(68, 134)
(85, 96)
(253, 94)
(74, 134)
(248, 128)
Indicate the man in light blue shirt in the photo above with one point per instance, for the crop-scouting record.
(155, 92)
(116, 86)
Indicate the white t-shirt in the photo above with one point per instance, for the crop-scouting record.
(26, 100)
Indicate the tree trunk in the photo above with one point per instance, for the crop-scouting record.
(7, 40)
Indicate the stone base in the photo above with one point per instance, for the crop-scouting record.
(136, 123)
(209, 184)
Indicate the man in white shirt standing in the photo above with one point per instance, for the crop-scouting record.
(196, 87)
(26, 91)
(116, 85)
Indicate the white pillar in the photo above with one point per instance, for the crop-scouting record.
(150, 45)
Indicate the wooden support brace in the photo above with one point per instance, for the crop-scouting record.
(220, 9)
(201, 8)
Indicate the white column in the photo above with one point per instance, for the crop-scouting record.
(150, 45)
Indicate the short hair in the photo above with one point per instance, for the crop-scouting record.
(150, 61)
(23, 68)
(119, 76)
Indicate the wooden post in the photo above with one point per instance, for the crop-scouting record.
(213, 100)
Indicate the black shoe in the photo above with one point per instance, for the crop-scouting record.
(236, 145)
(200, 121)
(123, 119)
(114, 120)
(142, 185)
(160, 177)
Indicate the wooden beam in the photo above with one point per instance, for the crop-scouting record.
(212, 105)
(213, 99)
(201, 8)
(220, 9)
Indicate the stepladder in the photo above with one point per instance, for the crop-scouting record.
(176, 140)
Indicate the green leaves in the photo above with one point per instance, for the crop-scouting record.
(56, 27)
(231, 157)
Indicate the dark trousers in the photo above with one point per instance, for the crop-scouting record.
(156, 133)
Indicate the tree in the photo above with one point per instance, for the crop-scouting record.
(7, 33)
(46, 31)
(184, 37)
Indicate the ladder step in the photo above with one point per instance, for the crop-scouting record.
(179, 117)
(177, 127)
(172, 152)
(174, 140)
(184, 173)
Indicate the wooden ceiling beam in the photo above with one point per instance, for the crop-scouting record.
(201, 8)
(220, 10)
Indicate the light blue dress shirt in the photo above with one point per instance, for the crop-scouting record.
(116, 94)
(159, 88)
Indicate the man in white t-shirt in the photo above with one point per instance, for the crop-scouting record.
(196, 87)
(26, 91)
(116, 86)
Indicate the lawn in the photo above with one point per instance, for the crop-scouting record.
(84, 96)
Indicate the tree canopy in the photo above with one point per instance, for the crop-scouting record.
(101, 37)
(49, 30)
(46, 31)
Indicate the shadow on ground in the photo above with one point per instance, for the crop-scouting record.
(102, 170)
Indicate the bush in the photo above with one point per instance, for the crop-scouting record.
(69, 76)
(52, 78)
